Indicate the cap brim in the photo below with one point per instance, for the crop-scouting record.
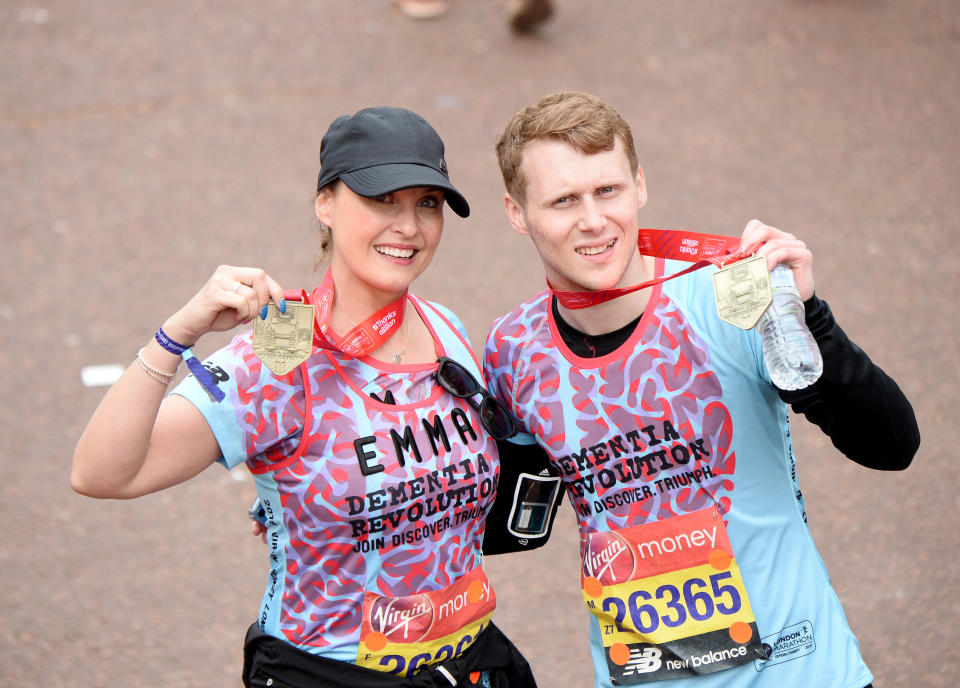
(382, 179)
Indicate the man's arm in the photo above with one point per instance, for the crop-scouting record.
(854, 402)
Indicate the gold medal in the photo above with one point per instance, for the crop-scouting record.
(284, 340)
(742, 290)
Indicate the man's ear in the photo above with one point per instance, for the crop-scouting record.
(518, 220)
(641, 187)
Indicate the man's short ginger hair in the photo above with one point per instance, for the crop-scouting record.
(578, 119)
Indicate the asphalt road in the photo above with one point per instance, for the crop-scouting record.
(143, 144)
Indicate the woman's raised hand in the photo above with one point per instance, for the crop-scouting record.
(139, 440)
(232, 296)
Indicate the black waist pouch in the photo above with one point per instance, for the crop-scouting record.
(269, 662)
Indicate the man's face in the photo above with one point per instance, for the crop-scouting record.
(580, 210)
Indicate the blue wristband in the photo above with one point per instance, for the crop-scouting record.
(168, 344)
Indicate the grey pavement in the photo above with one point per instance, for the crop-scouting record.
(143, 144)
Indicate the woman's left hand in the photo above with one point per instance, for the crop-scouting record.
(232, 296)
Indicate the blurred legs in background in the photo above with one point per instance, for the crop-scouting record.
(422, 9)
(522, 15)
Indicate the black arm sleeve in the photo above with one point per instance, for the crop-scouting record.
(858, 406)
(517, 460)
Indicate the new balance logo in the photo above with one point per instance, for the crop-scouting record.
(217, 373)
(643, 661)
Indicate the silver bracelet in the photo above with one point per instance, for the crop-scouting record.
(158, 375)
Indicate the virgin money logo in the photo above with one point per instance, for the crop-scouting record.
(577, 300)
(402, 619)
(608, 558)
(357, 344)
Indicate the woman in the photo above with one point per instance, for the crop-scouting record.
(374, 464)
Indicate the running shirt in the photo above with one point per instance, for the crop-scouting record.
(676, 455)
(375, 482)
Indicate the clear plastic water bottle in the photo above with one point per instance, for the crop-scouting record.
(789, 350)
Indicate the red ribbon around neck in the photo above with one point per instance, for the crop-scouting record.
(692, 247)
(368, 336)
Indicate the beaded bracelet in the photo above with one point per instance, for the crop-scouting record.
(160, 376)
(147, 366)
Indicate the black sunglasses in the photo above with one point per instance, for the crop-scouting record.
(458, 381)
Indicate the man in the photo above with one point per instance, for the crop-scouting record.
(671, 441)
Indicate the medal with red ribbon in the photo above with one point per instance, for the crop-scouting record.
(284, 340)
(693, 247)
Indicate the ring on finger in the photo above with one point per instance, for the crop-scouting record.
(237, 286)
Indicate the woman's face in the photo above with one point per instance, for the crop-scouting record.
(380, 244)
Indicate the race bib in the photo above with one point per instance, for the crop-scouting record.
(400, 635)
(669, 599)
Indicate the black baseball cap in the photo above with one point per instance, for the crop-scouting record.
(383, 149)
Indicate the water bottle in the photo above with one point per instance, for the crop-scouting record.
(789, 350)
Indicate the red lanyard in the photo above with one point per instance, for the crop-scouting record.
(692, 247)
(368, 336)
